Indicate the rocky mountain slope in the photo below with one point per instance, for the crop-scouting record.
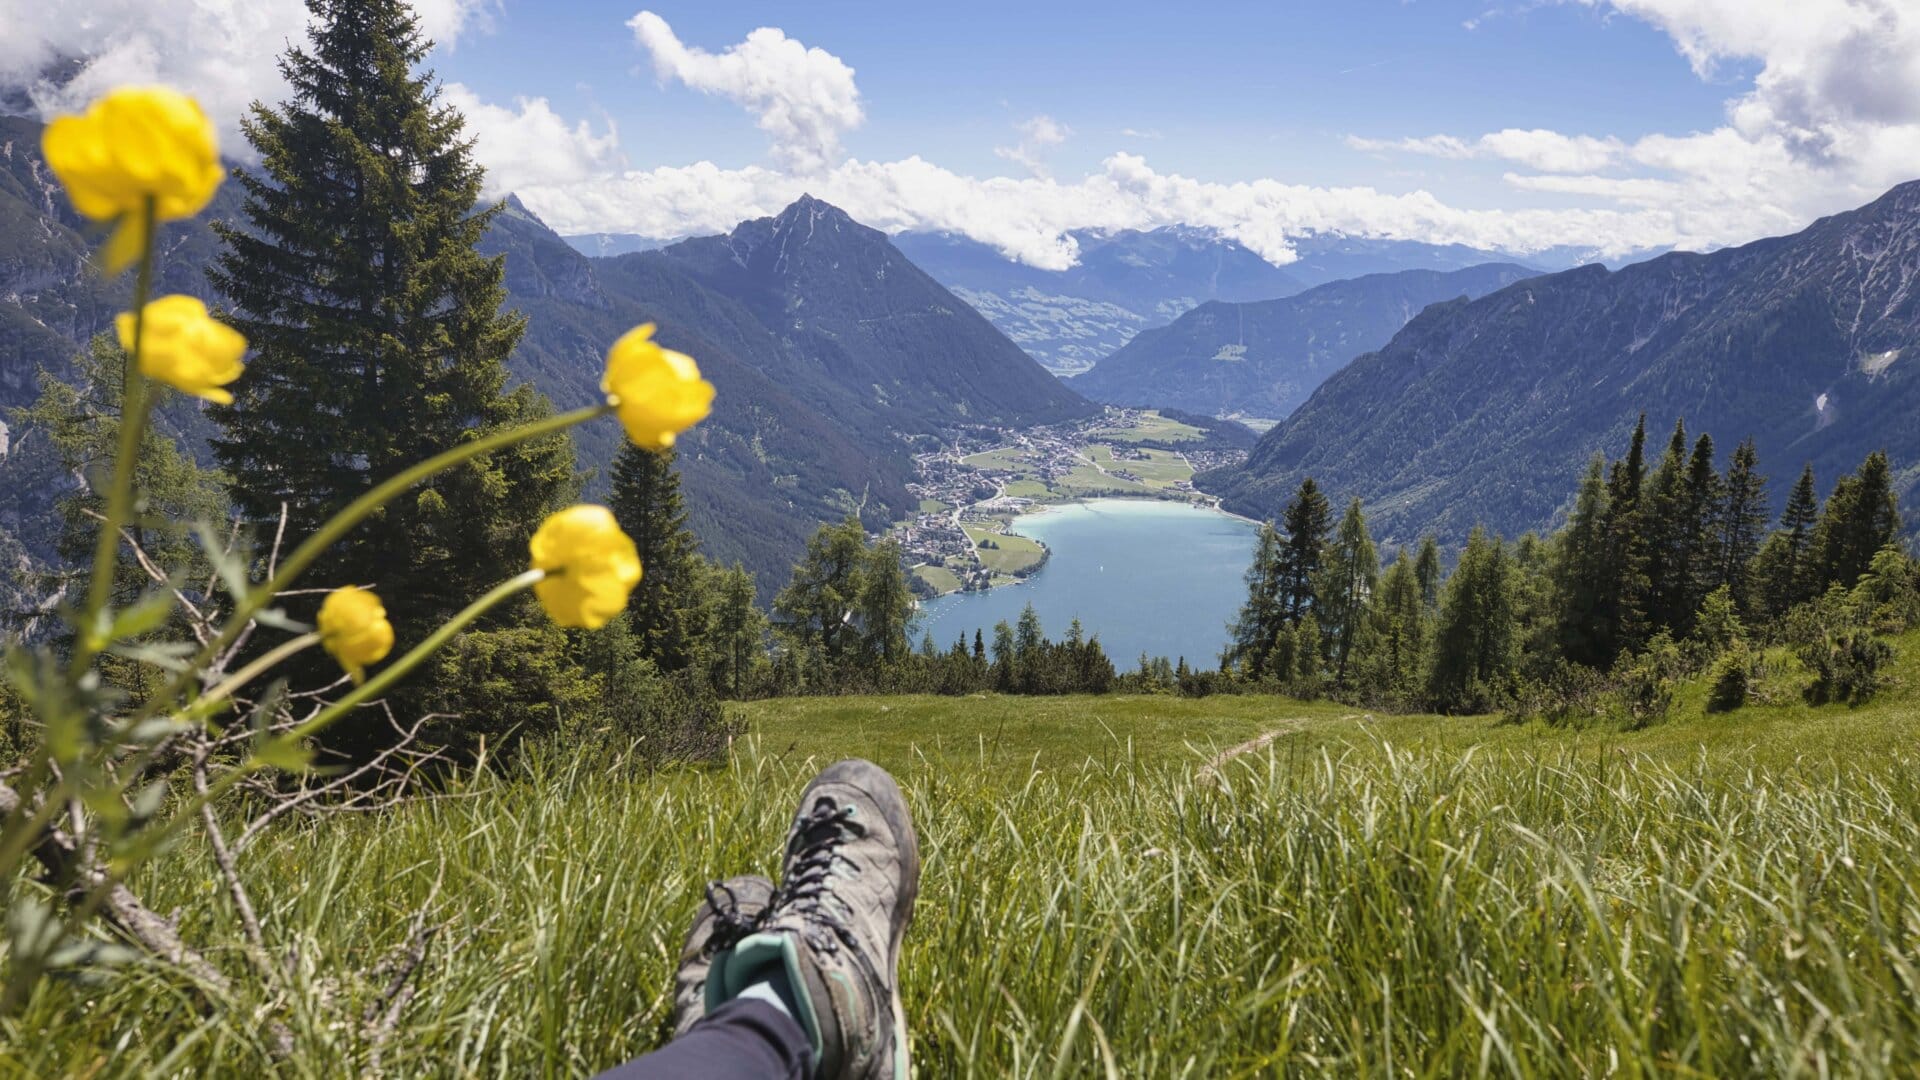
(830, 350)
(1262, 358)
(1485, 411)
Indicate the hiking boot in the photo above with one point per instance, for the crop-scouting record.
(846, 895)
(732, 910)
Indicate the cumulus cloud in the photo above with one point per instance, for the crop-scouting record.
(1036, 136)
(1030, 218)
(803, 98)
(530, 144)
(225, 52)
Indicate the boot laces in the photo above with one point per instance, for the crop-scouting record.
(808, 888)
(730, 924)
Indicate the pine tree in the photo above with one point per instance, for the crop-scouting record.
(885, 603)
(1475, 635)
(1740, 524)
(979, 648)
(1306, 522)
(1783, 570)
(1426, 571)
(665, 605)
(1621, 621)
(1664, 528)
(735, 629)
(1861, 517)
(1693, 537)
(375, 325)
(1583, 574)
(1262, 613)
(1400, 626)
(1348, 579)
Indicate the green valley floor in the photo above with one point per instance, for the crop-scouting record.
(1110, 890)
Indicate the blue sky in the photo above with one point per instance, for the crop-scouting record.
(1609, 126)
(1218, 91)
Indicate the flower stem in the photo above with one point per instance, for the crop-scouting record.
(394, 671)
(240, 678)
(134, 403)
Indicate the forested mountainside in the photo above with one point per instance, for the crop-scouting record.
(827, 346)
(1262, 358)
(1485, 411)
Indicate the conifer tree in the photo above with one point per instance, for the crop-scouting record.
(1474, 638)
(1264, 610)
(1348, 578)
(1664, 529)
(665, 606)
(1740, 524)
(735, 629)
(1400, 626)
(1306, 522)
(885, 603)
(1426, 571)
(1621, 619)
(1583, 575)
(375, 324)
(1783, 570)
(1861, 517)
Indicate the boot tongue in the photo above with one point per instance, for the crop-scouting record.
(757, 959)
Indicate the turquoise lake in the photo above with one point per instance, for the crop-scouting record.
(1159, 577)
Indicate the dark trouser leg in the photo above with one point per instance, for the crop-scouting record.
(741, 1040)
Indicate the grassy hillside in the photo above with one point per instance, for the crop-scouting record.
(1716, 895)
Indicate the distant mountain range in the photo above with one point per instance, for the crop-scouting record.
(831, 351)
(1485, 411)
(1260, 359)
(605, 245)
(1129, 281)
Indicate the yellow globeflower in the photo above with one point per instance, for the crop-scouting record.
(591, 566)
(657, 392)
(354, 628)
(135, 144)
(184, 347)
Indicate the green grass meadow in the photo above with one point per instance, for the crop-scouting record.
(1727, 895)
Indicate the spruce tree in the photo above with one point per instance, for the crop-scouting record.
(665, 606)
(1306, 522)
(1474, 638)
(1664, 528)
(1426, 571)
(885, 603)
(1694, 535)
(1740, 524)
(736, 629)
(1400, 626)
(1623, 608)
(375, 325)
(1262, 613)
(1348, 578)
(1861, 517)
(1583, 574)
(1782, 569)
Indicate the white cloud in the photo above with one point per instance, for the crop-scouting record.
(530, 144)
(803, 98)
(1029, 218)
(1548, 151)
(224, 52)
(1036, 136)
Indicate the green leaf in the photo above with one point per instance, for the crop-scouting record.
(279, 620)
(149, 612)
(283, 752)
(232, 570)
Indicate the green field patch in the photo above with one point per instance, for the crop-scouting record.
(1152, 427)
(1005, 459)
(1010, 553)
(1160, 468)
(933, 506)
(942, 579)
(1028, 489)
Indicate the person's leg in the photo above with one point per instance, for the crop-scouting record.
(803, 983)
(745, 1039)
